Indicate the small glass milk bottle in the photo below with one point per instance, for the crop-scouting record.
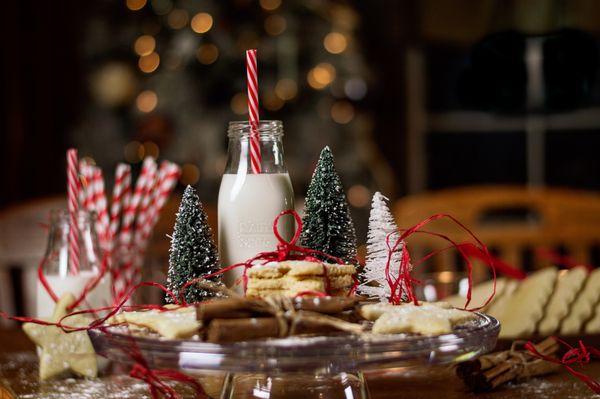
(56, 267)
(249, 202)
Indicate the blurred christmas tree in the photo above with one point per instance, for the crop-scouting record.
(168, 76)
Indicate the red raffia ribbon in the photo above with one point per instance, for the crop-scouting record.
(402, 285)
(286, 250)
(580, 355)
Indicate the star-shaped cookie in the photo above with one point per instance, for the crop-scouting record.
(63, 352)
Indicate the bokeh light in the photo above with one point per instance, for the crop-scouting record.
(335, 42)
(135, 5)
(149, 63)
(286, 89)
(271, 101)
(202, 22)
(359, 196)
(270, 5)
(190, 174)
(355, 88)
(162, 7)
(207, 54)
(178, 18)
(144, 45)
(321, 75)
(239, 104)
(151, 149)
(133, 152)
(275, 25)
(342, 112)
(146, 101)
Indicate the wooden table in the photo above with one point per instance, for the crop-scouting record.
(18, 376)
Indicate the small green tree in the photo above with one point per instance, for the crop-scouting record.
(193, 252)
(327, 225)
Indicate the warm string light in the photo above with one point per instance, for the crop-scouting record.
(239, 104)
(321, 76)
(335, 42)
(201, 22)
(207, 54)
(270, 5)
(146, 101)
(133, 152)
(178, 19)
(275, 25)
(144, 45)
(149, 63)
(135, 5)
(190, 174)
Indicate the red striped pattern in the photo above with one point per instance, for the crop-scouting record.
(120, 191)
(101, 205)
(252, 76)
(73, 207)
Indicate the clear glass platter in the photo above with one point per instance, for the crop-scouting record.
(324, 367)
(320, 354)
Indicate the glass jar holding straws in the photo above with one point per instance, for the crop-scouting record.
(58, 277)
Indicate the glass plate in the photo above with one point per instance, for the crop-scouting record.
(329, 354)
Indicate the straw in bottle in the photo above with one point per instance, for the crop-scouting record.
(252, 78)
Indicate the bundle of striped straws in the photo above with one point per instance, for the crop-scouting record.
(125, 227)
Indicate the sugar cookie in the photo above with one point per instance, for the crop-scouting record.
(568, 286)
(526, 306)
(583, 306)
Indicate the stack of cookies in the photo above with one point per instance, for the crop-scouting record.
(293, 277)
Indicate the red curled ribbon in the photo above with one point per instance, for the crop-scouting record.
(581, 355)
(403, 285)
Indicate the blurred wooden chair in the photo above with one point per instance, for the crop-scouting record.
(512, 221)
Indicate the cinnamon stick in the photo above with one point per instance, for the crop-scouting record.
(495, 369)
(236, 330)
(227, 308)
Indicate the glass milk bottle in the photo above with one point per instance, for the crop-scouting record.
(56, 268)
(249, 202)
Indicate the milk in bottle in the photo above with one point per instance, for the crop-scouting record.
(249, 202)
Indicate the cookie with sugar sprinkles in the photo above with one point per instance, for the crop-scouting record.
(303, 268)
(63, 352)
(172, 324)
(334, 269)
(270, 270)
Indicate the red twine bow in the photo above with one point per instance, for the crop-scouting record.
(580, 355)
(286, 250)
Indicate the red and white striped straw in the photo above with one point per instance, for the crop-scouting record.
(148, 171)
(85, 169)
(168, 175)
(252, 78)
(120, 189)
(101, 205)
(73, 208)
(144, 208)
